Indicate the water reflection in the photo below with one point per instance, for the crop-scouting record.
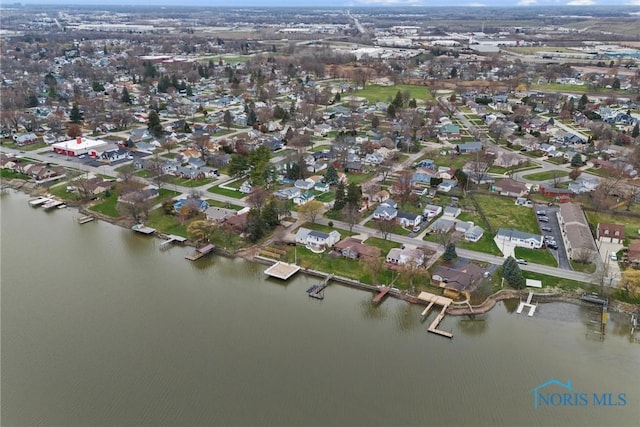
(407, 317)
(371, 310)
(472, 326)
(511, 305)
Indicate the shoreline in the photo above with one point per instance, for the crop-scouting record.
(248, 255)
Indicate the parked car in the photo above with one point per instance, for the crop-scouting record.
(521, 261)
(543, 219)
(552, 245)
(614, 257)
(545, 228)
(416, 229)
(541, 212)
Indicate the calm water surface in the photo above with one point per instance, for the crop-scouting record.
(99, 327)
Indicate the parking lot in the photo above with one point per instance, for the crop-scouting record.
(612, 267)
(550, 212)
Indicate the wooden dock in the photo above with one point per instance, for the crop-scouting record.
(39, 201)
(384, 290)
(282, 270)
(433, 299)
(199, 253)
(317, 291)
(85, 219)
(140, 228)
(51, 204)
(170, 239)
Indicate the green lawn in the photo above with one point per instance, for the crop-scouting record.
(485, 245)
(325, 197)
(546, 175)
(225, 192)
(167, 224)
(536, 256)
(582, 267)
(8, 174)
(219, 204)
(326, 229)
(359, 178)
(376, 93)
(185, 182)
(108, 206)
(557, 282)
(165, 193)
(397, 229)
(60, 191)
(384, 245)
(502, 212)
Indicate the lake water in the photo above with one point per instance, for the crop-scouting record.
(100, 327)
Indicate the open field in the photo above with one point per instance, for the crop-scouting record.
(223, 191)
(546, 175)
(502, 212)
(376, 93)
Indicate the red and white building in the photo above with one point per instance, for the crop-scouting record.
(79, 146)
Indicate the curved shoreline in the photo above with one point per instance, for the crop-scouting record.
(249, 255)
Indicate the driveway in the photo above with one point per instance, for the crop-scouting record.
(559, 254)
(612, 268)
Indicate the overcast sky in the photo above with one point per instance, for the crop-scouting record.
(334, 3)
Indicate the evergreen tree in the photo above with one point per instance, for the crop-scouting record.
(252, 118)
(449, 252)
(391, 111)
(354, 194)
(616, 83)
(636, 131)
(582, 103)
(270, 214)
(512, 273)
(75, 116)
(227, 119)
(331, 176)
(126, 97)
(256, 226)
(375, 122)
(576, 160)
(154, 125)
(398, 101)
(340, 200)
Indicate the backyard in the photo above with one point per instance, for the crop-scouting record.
(502, 212)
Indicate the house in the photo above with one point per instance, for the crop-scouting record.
(287, 193)
(402, 256)
(41, 173)
(245, 188)
(474, 234)
(354, 167)
(431, 211)
(612, 233)
(557, 193)
(518, 238)
(469, 147)
(576, 233)
(237, 223)
(449, 132)
(195, 202)
(408, 220)
(463, 226)
(385, 212)
(441, 225)
(583, 184)
(217, 214)
(25, 138)
(115, 155)
(317, 239)
(304, 198)
(380, 196)
(322, 187)
(451, 212)
(633, 253)
(459, 279)
(426, 163)
(354, 249)
(446, 186)
(304, 184)
(509, 187)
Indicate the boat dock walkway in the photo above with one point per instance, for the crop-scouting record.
(39, 201)
(52, 203)
(527, 304)
(384, 290)
(199, 253)
(170, 239)
(317, 291)
(85, 219)
(140, 228)
(433, 299)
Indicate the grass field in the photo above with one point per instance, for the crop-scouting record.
(631, 222)
(546, 175)
(485, 245)
(168, 224)
(223, 191)
(536, 256)
(502, 212)
(108, 206)
(376, 93)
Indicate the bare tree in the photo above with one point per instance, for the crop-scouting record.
(258, 197)
(403, 186)
(311, 210)
(351, 215)
(385, 227)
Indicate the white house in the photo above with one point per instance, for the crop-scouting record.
(406, 219)
(431, 211)
(385, 212)
(399, 256)
(304, 184)
(518, 238)
(303, 198)
(288, 193)
(317, 239)
(451, 212)
(474, 234)
(245, 188)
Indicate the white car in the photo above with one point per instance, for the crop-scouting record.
(613, 256)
